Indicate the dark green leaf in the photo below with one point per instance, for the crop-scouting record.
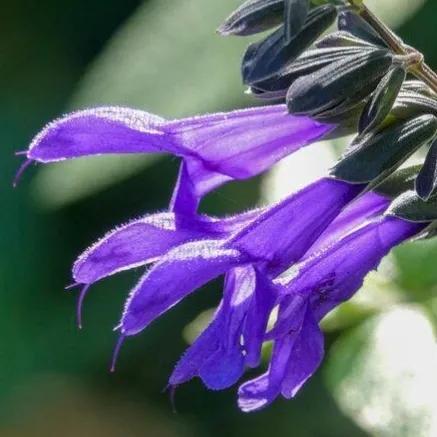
(296, 13)
(375, 156)
(252, 17)
(426, 181)
(383, 99)
(331, 85)
(382, 374)
(271, 55)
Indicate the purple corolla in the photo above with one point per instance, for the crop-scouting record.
(331, 232)
(215, 148)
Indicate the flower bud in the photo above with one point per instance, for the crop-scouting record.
(270, 56)
(351, 22)
(412, 104)
(252, 17)
(308, 63)
(333, 84)
(296, 13)
(342, 39)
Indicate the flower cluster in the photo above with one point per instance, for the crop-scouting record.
(297, 259)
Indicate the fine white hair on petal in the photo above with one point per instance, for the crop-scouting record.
(133, 118)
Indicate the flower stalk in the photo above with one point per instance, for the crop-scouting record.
(421, 70)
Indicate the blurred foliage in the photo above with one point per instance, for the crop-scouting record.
(383, 374)
(159, 55)
(158, 63)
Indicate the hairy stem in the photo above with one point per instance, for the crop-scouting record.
(420, 70)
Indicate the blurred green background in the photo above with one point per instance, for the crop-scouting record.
(380, 375)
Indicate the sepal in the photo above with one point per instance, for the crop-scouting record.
(375, 156)
(383, 99)
(398, 182)
(353, 23)
(309, 62)
(270, 56)
(333, 84)
(411, 104)
(296, 13)
(409, 206)
(426, 181)
(343, 39)
(252, 17)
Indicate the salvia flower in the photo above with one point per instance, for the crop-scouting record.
(209, 247)
(292, 262)
(278, 237)
(215, 148)
(323, 280)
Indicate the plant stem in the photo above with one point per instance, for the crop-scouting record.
(420, 70)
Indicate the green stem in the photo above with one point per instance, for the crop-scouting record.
(421, 70)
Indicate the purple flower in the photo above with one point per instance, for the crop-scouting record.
(261, 294)
(215, 148)
(324, 279)
(267, 245)
(190, 251)
(332, 233)
(273, 237)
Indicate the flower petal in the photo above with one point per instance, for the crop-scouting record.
(225, 141)
(261, 391)
(107, 130)
(305, 358)
(144, 240)
(223, 368)
(354, 215)
(181, 271)
(194, 181)
(336, 272)
(216, 355)
(243, 143)
(284, 232)
(204, 346)
(216, 148)
(257, 318)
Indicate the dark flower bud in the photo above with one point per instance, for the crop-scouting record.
(333, 84)
(412, 104)
(252, 17)
(373, 157)
(417, 86)
(350, 109)
(426, 181)
(342, 39)
(409, 206)
(270, 56)
(383, 99)
(296, 13)
(308, 63)
(351, 22)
